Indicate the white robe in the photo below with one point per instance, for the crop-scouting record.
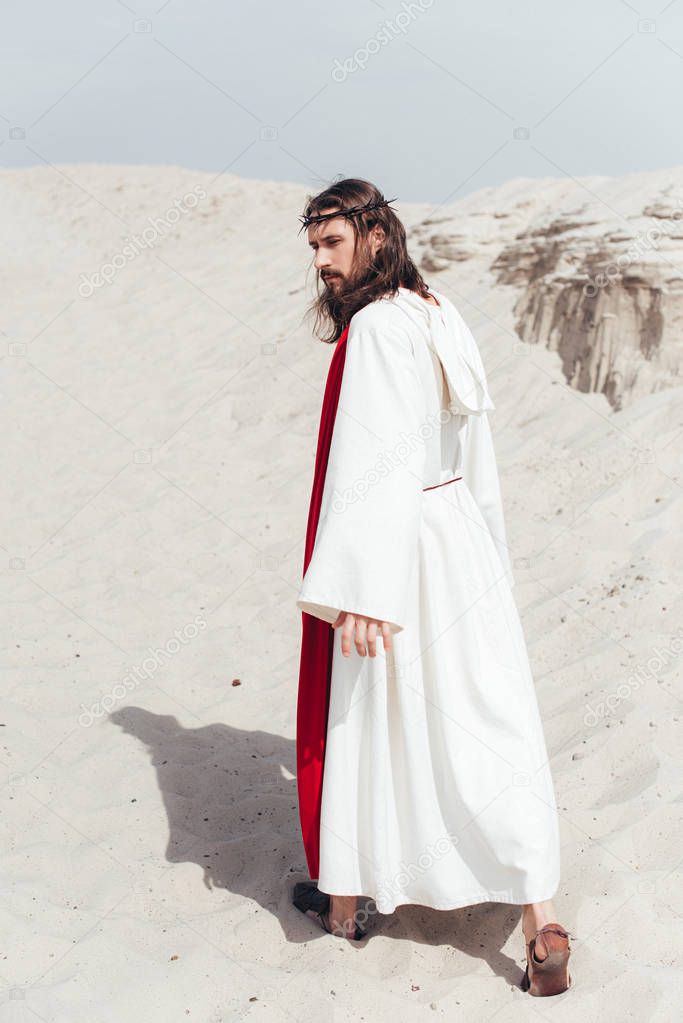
(436, 786)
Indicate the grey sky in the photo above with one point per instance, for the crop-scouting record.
(275, 90)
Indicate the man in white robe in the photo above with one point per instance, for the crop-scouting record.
(436, 787)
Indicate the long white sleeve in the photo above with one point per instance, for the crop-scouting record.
(481, 475)
(367, 536)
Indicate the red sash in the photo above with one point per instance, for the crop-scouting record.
(315, 669)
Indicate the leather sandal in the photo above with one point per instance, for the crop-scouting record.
(549, 973)
(315, 904)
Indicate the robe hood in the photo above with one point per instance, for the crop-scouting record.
(450, 338)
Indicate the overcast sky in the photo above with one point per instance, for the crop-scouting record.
(430, 99)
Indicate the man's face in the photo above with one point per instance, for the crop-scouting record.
(333, 242)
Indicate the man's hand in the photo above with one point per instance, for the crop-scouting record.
(365, 629)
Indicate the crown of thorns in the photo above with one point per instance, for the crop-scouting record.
(353, 211)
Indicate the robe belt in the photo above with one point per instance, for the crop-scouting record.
(443, 484)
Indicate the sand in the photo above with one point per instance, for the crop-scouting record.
(159, 434)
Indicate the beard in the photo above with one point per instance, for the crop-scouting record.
(340, 288)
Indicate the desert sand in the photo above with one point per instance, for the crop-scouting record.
(161, 402)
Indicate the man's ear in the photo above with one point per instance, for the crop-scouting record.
(378, 236)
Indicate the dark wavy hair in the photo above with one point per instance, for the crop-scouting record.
(370, 278)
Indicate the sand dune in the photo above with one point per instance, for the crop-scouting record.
(161, 406)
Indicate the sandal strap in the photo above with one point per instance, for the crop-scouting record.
(558, 929)
(553, 928)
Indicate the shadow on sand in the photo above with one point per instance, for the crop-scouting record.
(231, 802)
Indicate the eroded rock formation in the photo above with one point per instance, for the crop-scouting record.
(600, 285)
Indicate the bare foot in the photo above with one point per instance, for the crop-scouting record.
(341, 914)
(537, 915)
